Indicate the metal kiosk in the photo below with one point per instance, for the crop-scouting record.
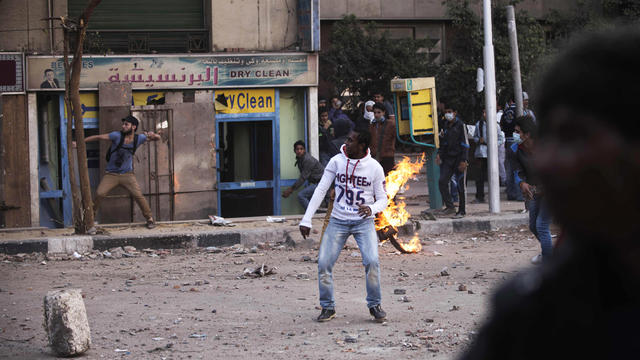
(417, 124)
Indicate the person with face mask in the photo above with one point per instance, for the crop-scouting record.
(481, 153)
(507, 123)
(368, 111)
(522, 152)
(584, 303)
(452, 158)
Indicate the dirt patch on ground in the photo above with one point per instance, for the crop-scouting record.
(192, 303)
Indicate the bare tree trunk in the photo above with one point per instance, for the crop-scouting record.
(74, 111)
(83, 170)
(78, 222)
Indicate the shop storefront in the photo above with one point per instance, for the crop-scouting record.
(229, 157)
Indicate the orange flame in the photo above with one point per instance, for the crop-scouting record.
(413, 245)
(396, 215)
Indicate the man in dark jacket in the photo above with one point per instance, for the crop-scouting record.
(452, 158)
(341, 128)
(383, 138)
(584, 303)
(310, 171)
(325, 136)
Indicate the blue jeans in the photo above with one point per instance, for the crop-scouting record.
(453, 188)
(333, 241)
(513, 191)
(539, 221)
(304, 195)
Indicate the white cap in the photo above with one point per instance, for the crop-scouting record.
(525, 96)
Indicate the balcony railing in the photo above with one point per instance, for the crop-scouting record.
(146, 41)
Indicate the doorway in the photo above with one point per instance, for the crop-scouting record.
(246, 167)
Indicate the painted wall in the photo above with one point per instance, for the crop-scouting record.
(264, 25)
(291, 130)
(22, 27)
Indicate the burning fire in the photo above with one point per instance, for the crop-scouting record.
(395, 215)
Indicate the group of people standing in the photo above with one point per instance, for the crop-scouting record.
(355, 157)
(516, 139)
(334, 126)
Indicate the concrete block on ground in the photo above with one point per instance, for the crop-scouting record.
(428, 227)
(218, 239)
(69, 244)
(66, 323)
(471, 224)
(508, 221)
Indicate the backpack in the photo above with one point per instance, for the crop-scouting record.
(135, 145)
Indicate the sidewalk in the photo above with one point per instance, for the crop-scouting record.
(253, 231)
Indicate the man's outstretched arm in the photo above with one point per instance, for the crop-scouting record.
(104, 137)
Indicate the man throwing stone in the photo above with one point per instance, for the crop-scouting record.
(360, 194)
(120, 164)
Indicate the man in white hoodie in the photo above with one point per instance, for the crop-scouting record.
(360, 194)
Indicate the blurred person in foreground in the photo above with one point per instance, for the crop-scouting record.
(584, 303)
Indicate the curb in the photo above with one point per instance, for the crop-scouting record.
(250, 237)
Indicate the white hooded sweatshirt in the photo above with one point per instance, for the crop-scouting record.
(369, 114)
(357, 181)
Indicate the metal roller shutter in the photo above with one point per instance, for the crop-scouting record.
(143, 14)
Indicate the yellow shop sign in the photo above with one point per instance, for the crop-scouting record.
(249, 101)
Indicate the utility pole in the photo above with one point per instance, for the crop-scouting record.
(490, 110)
(515, 59)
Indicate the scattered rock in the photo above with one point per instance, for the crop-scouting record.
(303, 276)
(399, 291)
(66, 323)
(351, 338)
(444, 271)
(116, 252)
(462, 287)
(261, 271)
(455, 308)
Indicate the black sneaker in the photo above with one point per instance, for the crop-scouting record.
(326, 315)
(378, 313)
(448, 211)
(459, 215)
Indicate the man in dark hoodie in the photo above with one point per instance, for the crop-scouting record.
(310, 171)
(452, 158)
(341, 129)
(584, 303)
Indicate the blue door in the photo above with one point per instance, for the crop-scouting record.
(248, 163)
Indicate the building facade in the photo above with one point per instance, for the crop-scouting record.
(231, 85)
(417, 19)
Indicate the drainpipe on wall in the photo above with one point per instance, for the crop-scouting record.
(50, 15)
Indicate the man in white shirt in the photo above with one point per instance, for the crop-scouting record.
(360, 194)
